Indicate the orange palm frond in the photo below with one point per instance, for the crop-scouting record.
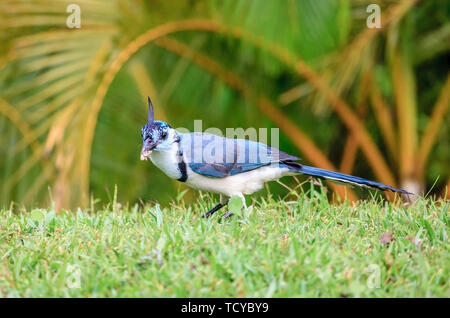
(437, 116)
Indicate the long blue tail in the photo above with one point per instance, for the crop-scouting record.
(339, 177)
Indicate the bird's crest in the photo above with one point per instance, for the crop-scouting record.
(150, 111)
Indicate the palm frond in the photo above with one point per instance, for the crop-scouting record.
(435, 121)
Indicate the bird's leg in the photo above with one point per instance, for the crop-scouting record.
(213, 210)
(216, 208)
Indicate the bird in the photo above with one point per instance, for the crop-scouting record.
(229, 167)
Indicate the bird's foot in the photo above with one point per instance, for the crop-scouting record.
(207, 214)
(227, 215)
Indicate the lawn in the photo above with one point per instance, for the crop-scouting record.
(277, 248)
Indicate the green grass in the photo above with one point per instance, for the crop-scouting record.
(303, 248)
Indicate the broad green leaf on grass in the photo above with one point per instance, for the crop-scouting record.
(37, 215)
(235, 205)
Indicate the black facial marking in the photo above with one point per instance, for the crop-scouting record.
(181, 166)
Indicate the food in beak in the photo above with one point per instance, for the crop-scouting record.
(145, 154)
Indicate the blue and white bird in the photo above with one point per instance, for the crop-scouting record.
(230, 167)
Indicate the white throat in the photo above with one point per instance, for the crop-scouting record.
(166, 160)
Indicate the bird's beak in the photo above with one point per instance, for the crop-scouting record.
(147, 149)
(145, 154)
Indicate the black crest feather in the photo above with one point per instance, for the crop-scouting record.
(150, 111)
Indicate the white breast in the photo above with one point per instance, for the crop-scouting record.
(242, 183)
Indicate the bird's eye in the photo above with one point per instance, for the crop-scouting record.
(164, 134)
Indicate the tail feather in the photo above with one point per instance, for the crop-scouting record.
(339, 177)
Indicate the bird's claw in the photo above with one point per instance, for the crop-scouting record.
(227, 215)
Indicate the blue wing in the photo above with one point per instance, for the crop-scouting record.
(219, 157)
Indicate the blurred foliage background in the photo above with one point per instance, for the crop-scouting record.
(369, 102)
